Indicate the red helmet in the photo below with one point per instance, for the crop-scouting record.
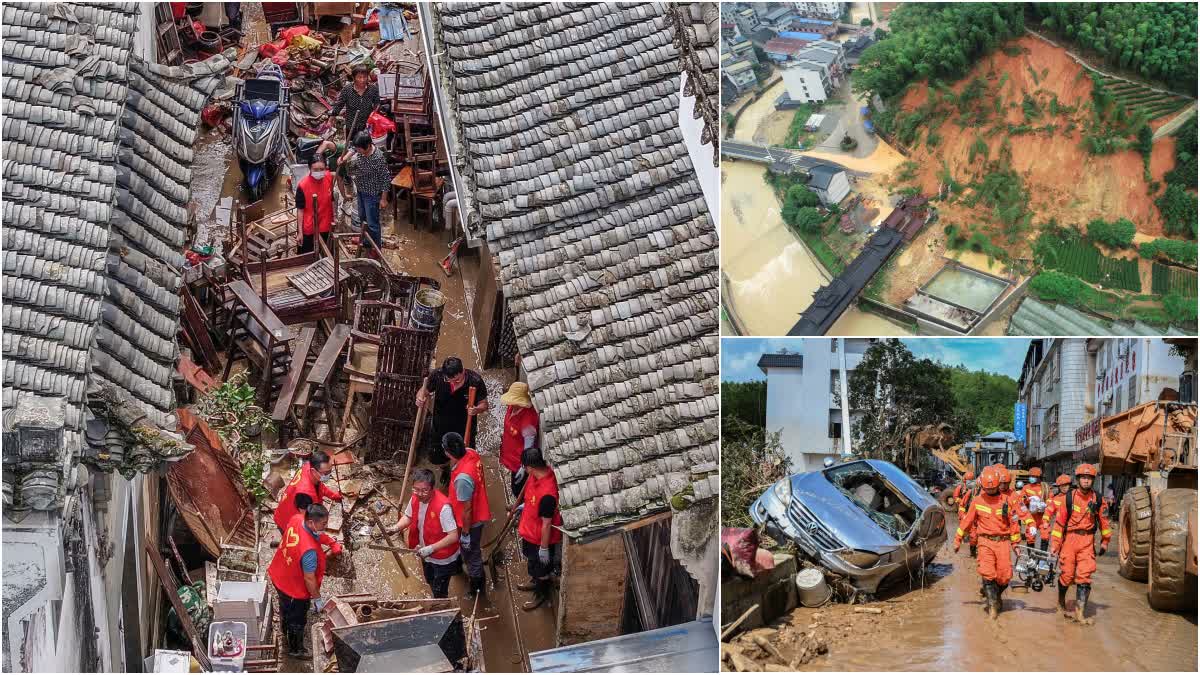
(970, 475)
(1085, 470)
(989, 478)
(1063, 480)
(1036, 471)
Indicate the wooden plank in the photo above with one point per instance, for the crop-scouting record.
(329, 354)
(260, 310)
(317, 278)
(299, 358)
(171, 587)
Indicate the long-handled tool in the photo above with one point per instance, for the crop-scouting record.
(387, 538)
(470, 416)
(418, 427)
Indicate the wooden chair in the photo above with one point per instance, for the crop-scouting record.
(362, 354)
(426, 189)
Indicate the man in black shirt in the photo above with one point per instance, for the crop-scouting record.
(448, 389)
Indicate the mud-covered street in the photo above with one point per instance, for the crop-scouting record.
(940, 625)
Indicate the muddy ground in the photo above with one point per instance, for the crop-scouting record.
(941, 626)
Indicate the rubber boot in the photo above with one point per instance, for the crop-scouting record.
(475, 587)
(983, 589)
(527, 585)
(1045, 545)
(993, 600)
(974, 550)
(540, 595)
(1062, 598)
(1082, 591)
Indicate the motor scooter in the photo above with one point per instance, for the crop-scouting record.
(260, 123)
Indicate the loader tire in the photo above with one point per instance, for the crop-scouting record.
(944, 498)
(1133, 548)
(1171, 588)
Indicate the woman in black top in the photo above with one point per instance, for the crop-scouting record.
(448, 387)
(357, 100)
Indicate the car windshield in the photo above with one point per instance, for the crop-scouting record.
(879, 499)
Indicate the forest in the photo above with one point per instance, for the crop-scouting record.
(1153, 40)
(1156, 41)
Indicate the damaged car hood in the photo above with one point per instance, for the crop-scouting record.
(849, 523)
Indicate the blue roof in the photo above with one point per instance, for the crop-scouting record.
(823, 22)
(800, 36)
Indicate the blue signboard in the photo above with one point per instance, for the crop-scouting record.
(1019, 422)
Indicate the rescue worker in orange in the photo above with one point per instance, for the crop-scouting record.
(963, 489)
(297, 569)
(432, 533)
(314, 205)
(971, 493)
(998, 531)
(1036, 497)
(540, 520)
(1016, 504)
(303, 489)
(468, 499)
(1073, 540)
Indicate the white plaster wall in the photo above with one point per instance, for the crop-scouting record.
(701, 154)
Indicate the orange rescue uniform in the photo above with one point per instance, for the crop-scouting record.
(962, 515)
(1042, 491)
(1073, 537)
(997, 529)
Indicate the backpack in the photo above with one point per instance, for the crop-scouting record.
(1093, 507)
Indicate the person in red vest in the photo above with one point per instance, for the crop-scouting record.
(468, 498)
(520, 431)
(434, 533)
(297, 570)
(318, 186)
(540, 520)
(303, 489)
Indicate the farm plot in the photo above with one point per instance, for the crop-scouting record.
(1137, 97)
(1168, 280)
(1082, 259)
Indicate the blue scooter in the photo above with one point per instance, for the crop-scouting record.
(260, 123)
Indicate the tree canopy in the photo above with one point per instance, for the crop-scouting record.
(1155, 40)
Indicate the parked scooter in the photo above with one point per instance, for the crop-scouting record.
(260, 123)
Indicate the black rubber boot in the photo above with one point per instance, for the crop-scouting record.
(974, 550)
(993, 600)
(1045, 545)
(1062, 598)
(475, 586)
(983, 589)
(1082, 592)
(541, 594)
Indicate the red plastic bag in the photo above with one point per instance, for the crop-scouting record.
(288, 33)
(269, 49)
(380, 125)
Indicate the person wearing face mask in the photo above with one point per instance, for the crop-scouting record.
(1035, 495)
(433, 532)
(297, 570)
(448, 391)
(314, 204)
(303, 489)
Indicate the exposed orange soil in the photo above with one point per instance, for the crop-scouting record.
(1064, 181)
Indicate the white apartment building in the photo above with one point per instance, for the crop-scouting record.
(823, 10)
(1054, 386)
(814, 72)
(804, 398)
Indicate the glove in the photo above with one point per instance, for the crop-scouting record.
(335, 548)
(1103, 548)
(544, 555)
(464, 539)
(957, 545)
(425, 552)
(336, 496)
(519, 474)
(319, 603)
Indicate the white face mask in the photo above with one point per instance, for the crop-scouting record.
(319, 174)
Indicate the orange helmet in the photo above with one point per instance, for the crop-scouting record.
(989, 478)
(1085, 470)
(1036, 471)
(1063, 480)
(1003, 474)
(970, 475)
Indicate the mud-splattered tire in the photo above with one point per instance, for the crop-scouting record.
(1171, 589)
(1133, 548)
(944, 498)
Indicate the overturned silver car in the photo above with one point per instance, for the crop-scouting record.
(866, 520)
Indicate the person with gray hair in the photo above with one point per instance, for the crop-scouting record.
(432, 532)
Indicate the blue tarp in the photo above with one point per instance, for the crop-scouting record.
(811, 37)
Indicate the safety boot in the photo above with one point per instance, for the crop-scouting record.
(541, 593)
(1062, 598)
(993, 600)
(974, 550)
(983, 589)
(1082, 591)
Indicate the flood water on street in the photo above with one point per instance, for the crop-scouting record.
(942, 626)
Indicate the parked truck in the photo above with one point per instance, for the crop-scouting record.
(1156, 442)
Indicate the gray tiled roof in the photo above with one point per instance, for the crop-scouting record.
(97, 168)
(1037, 318)
(573, 157)
(780, 361)
(822, 175)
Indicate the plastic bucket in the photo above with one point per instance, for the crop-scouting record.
(811, 587)
(427, 309)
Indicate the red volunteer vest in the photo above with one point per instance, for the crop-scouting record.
(471, 464)
(432, 526)
(302, 483)
(531, 524)
(323, 190)
(512, 443)
(285, 571)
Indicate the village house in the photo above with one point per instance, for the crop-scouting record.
(831, 184)
(815, 72)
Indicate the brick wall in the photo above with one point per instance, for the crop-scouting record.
(592, 595)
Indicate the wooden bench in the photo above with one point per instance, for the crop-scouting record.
(287, 395)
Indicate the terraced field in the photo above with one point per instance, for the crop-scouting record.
(1082, 259)
(1167, 280)
(1139, 97)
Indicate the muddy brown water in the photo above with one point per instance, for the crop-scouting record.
(942, 626)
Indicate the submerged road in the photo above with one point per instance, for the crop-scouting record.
(769, 155)
(941, 626)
